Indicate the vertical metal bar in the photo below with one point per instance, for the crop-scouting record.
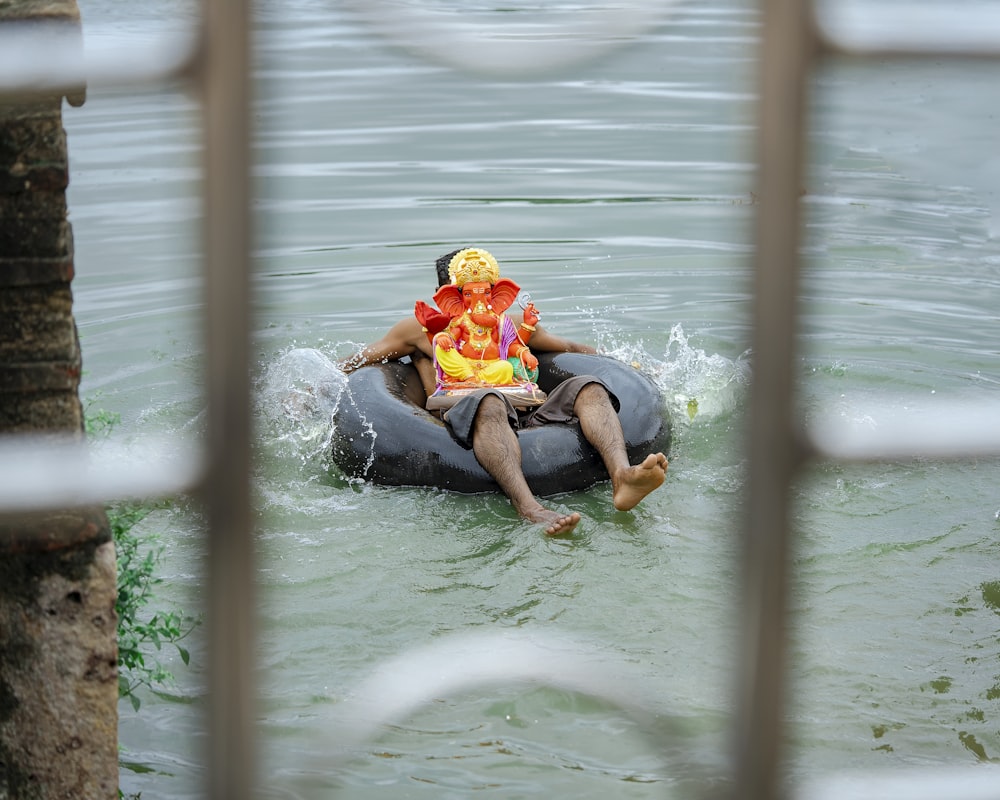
(225, 81)
(773, 452)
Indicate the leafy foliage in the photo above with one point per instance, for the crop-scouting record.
(138, 560)
(136, 581)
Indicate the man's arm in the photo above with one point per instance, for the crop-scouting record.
(545, 342)
(402, 339)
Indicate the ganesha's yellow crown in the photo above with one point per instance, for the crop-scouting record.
(473, 265)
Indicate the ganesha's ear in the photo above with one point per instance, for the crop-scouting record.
(449, 300)
(431, 319)
(504, 294)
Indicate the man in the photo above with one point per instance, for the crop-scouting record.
(486, 422)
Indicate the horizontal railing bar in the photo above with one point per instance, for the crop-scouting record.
(946, 431)
(460, 663)
(36, 475)
(916, 783)
(36, 60)
(882, 34)
(511, 50)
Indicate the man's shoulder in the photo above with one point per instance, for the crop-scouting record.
(410, 335)
(408, 327)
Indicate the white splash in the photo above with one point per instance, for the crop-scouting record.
(698, 386)
(300, 391)
(296, 399)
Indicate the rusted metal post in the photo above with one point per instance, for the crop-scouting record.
(773, 441)
(225, 81)
(58, 629)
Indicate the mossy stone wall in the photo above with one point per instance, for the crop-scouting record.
(58, 630)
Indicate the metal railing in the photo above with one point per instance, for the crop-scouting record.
(794, 41)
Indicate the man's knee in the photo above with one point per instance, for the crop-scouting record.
(491, 409)
(593, 395)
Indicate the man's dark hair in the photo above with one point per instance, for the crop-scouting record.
(442, 266)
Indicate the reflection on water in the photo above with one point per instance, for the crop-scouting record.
(620, 195)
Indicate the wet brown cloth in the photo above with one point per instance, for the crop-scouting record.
(557, 408)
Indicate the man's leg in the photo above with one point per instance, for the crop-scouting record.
(496, 447)
(602, 428)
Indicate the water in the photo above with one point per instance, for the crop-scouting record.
(620, 193)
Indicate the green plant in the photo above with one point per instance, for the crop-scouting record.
(136, 580)
(138, 560)
(98, 423)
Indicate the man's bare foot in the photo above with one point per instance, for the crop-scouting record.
(630, 485)
(556, 524)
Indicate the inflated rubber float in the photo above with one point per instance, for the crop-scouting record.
(382, 433)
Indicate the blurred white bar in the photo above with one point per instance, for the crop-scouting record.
(535, 40)
(460, 664)
(981, 782)
(918, 32)
(54, 58)
(39, 474)
(940, 431)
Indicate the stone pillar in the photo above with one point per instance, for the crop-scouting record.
(58, 659)
(58, 628)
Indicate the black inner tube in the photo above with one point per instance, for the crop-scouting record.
(383, 434)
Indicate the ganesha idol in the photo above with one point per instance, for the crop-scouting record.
(475, 343)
